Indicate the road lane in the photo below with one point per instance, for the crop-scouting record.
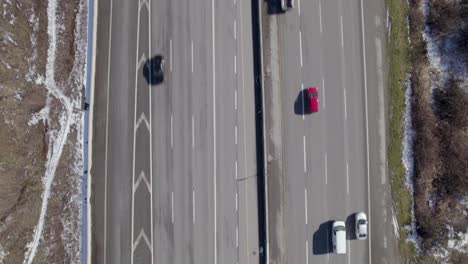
(175, 175)
(293, 123)
(226, 122)
(163, 250)
(113, 132)
(322, 50)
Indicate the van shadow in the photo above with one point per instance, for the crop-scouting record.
(350, 225)
(322, 243)
(300, 105)
(274, 7)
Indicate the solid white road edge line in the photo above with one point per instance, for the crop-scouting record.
(90, 135)
(134, 133)
(151, 139)
(367, 126)
(214, 130)
(107, 132)
(307, 251)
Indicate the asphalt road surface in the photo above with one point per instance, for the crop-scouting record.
(174, 168)
(331, 164)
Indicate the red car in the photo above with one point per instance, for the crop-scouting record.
(312, 100)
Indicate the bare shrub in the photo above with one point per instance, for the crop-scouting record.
(439, 121)
(443, 18)
(458, 258)
(426, 152)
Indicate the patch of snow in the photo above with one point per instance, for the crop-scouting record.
(6, 65)
(464, 203)
(407, 157)
(71, 234)
(56, 137)
(39, 80)
(3, 253)
(9, 38)
(395, 225)
(8, 121)
(441, 255)
(18, 96)
(457, 241)
(42, 115)
(31, 74)
(12, 19)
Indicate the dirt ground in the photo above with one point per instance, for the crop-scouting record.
(24, 145)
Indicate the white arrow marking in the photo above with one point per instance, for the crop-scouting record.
(142, 118)
(143, 2)
(147, 242)
(140, 178)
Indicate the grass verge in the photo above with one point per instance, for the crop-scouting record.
(398, 59)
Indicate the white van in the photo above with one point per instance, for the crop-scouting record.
(286, 4)
(339, 237)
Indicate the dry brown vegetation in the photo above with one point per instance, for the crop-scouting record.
(447, 23)
(24, 147)
(440, 120)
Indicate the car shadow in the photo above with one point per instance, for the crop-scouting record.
(322, 242)
(149, 69)
(274, 7)
(350, 224)
(300, 105)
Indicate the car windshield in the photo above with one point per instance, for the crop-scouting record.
(313, 94)
(361, 221)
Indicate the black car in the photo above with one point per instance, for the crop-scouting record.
(153, 70)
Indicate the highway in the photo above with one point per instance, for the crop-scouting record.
(174, 171)
(328, 165)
